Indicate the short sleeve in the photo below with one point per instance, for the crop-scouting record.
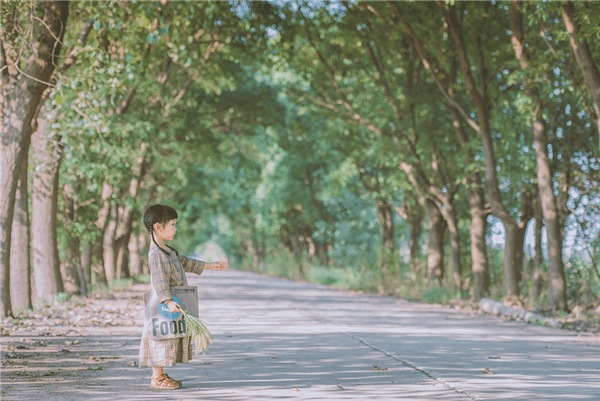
(159, 266)
(192, 265)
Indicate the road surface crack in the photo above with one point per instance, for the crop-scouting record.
(389, 354)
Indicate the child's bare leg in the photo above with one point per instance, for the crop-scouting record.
(156, 372)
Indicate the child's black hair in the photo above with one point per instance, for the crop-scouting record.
(161, 214)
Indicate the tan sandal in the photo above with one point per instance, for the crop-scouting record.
(164, 382)
(176, 381)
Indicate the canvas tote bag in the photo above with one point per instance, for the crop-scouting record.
(160, 323)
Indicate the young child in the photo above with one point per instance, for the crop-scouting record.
(167, 268)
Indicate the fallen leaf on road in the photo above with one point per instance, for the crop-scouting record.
(296, 389)
(375, 367)
(339, 386)
(493, 357)
(489, 372)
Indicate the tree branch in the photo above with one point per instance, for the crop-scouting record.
(209, 52)
(427, 63)
(75, 51)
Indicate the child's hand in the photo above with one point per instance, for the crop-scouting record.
(173, 307)
(218, 265)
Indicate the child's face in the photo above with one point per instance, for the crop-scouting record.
(167, 232)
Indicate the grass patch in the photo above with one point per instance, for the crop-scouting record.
(397, 282)
(436, 295)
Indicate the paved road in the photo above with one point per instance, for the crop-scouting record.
(279, 339)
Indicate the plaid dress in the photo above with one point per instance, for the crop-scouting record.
(167, 270)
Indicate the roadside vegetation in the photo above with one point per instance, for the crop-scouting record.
(432, 151)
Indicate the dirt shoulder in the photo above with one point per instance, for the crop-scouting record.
(66, 348)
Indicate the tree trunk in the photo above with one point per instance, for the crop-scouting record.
(481, 272)
(250, 251)
(143, 240)
(585, 61)
(436, 226)
(388, 250)
(416, 228)
(109, 254)
(539, 257)
(20, 97)
(122, 251)
(557, 284)
(20, 263)
(47, 156)
(71, 270)
(86, 263)
(413, 216)
(254, 245)
(386, 220)
(134, 256)
(455, 256)
(102, 224)
(512, 259)
(321, 253)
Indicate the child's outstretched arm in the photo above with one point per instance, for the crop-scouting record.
(217, 265)
(198, 266)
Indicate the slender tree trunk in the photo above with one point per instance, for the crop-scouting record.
(556, 270)
(512, 260)
(20, 96)
(126, 221)
(122, 251)
(109, 253)
(143, 242)
(539, 257)
(71, 269)
(249, 246)
(323, 256)
(321, 253)
(583, 56)
(388, 250)
(134, 256)
(436, 226)
(102, 224)
(86, 263)
(557, 284)
(384, 213)
(412, 214)
(47, 156)
(256, 246)
(481, 272)
(527, 213)
(455, 256)
(20, 263)
(122, 242)
(416, 228)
